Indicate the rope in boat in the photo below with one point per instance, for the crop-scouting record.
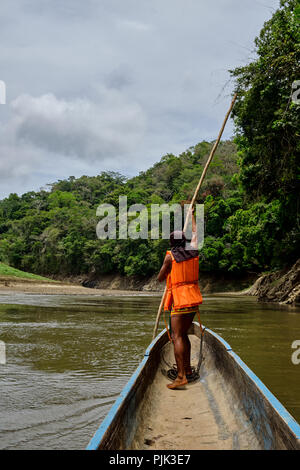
(172, 372)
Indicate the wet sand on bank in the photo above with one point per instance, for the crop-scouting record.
(35, 286)
(8, 285)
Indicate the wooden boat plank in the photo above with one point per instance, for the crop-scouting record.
(117, 429)
(198, 417)
(230, 408)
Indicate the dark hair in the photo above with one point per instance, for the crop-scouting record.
(177, 239)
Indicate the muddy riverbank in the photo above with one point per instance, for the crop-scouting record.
(209, 282)
(282, 286)
(9, 285)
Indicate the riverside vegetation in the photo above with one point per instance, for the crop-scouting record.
(251, 192)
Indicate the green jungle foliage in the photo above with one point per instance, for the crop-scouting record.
(251, 191)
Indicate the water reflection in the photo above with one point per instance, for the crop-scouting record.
(68, 357)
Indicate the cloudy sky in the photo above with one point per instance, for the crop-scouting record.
(99, 85)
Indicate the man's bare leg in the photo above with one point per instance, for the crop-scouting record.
(180, 326)
(187, 357)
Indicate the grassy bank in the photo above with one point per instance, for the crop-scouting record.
(9, 272)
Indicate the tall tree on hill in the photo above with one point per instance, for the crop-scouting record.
(268, 119)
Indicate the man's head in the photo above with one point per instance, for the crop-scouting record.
(177, 239)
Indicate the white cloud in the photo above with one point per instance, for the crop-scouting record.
(43, 133)
(79, 128)
(134, 25)
(115, 85)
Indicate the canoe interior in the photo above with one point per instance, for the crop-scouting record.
(228, 408)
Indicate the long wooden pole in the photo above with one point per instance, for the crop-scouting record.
(193, 202)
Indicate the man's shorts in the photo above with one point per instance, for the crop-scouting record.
(182, 311)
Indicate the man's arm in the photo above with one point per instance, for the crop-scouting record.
(165, 269)
(194, 240)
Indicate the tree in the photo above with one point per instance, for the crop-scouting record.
(267, 121)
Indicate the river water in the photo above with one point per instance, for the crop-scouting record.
(68, 357)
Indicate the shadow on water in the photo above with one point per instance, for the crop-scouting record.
(68, 358)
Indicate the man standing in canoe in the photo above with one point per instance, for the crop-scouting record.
(181, 271)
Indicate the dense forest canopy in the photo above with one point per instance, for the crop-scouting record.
(251, 191)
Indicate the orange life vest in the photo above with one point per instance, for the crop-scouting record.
(182, 284)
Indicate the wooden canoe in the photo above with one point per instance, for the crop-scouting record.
(227, 408)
